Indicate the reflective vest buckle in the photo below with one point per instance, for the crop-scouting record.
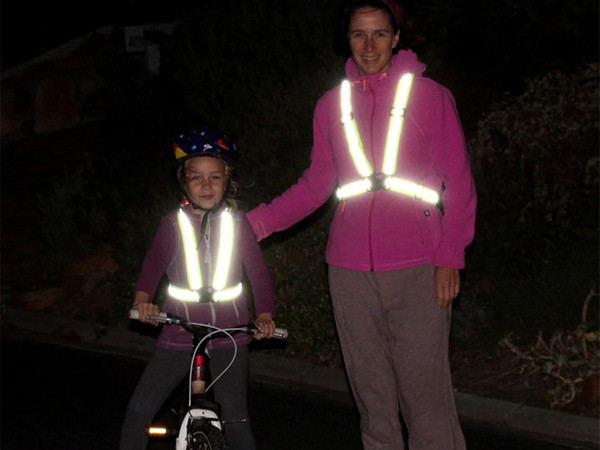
(347, 118)
(206, 295)
(377, 184)
(393, 111)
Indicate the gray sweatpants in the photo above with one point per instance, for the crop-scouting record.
(161, 376)
(394, 342)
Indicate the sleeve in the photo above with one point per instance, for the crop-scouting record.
(157, 258)
(459, 198)
(256, 270)
(311, 190)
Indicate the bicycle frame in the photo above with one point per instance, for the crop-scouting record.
(201, 414)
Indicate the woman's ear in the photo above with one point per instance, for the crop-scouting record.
(396, 39)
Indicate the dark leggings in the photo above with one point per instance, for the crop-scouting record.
(165, 371)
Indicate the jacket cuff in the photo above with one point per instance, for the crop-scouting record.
(257, 223)
(450, 258)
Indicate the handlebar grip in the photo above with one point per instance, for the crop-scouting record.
(134, 314)
(280, 333)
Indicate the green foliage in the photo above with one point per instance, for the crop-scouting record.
(299, 272)
(115, 203)
(543, 297)
(481, 49)
(257, 75)
(63, 216)
(569, 358)
(535, 163)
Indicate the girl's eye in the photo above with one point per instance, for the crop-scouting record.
(216, 177)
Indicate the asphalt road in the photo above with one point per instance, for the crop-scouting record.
(64, 398)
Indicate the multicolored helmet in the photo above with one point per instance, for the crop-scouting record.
(205, 141)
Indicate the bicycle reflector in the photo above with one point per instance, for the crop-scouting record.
(160, 432)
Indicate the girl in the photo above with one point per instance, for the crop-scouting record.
(205, 162)
(390, 140)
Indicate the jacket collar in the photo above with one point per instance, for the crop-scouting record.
(404, 61)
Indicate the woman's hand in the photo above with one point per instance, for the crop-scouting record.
(266, 325)
(447, 285)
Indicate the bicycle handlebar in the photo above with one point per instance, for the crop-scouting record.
(168, 318)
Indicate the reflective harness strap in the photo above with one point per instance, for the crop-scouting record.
(397, 114)
(197, 292)
(352, 136)
(369, 181)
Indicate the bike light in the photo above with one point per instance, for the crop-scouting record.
(160, 432)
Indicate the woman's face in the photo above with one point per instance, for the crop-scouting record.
(372, 40)
(205, 182)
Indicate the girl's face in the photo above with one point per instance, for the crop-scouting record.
(205, 182)
(372, 40)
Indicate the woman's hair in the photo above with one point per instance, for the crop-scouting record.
(409, 37)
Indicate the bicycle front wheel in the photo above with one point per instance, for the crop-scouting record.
(204, 436)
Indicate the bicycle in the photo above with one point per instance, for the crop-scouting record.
(199, 426)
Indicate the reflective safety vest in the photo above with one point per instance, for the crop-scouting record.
(387, 180)
(196, 292)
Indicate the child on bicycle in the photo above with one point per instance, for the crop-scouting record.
(191, 247)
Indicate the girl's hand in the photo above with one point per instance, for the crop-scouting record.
(266, 325)
(147, 309)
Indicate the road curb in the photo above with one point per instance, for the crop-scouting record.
(544, 424)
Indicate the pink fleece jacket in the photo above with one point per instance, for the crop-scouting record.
(383, 230)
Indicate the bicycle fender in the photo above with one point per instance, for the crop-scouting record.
(181, 441)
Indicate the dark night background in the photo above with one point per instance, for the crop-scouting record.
(81, 203)
(30, 28)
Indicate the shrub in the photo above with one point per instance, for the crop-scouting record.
(568, 358)
(261, 86)
(114, 203)
(535, 163)
(297, 264)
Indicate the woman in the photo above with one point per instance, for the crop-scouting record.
(394, 147)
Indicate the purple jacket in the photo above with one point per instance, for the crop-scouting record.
(166, 255)
(383, 230)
